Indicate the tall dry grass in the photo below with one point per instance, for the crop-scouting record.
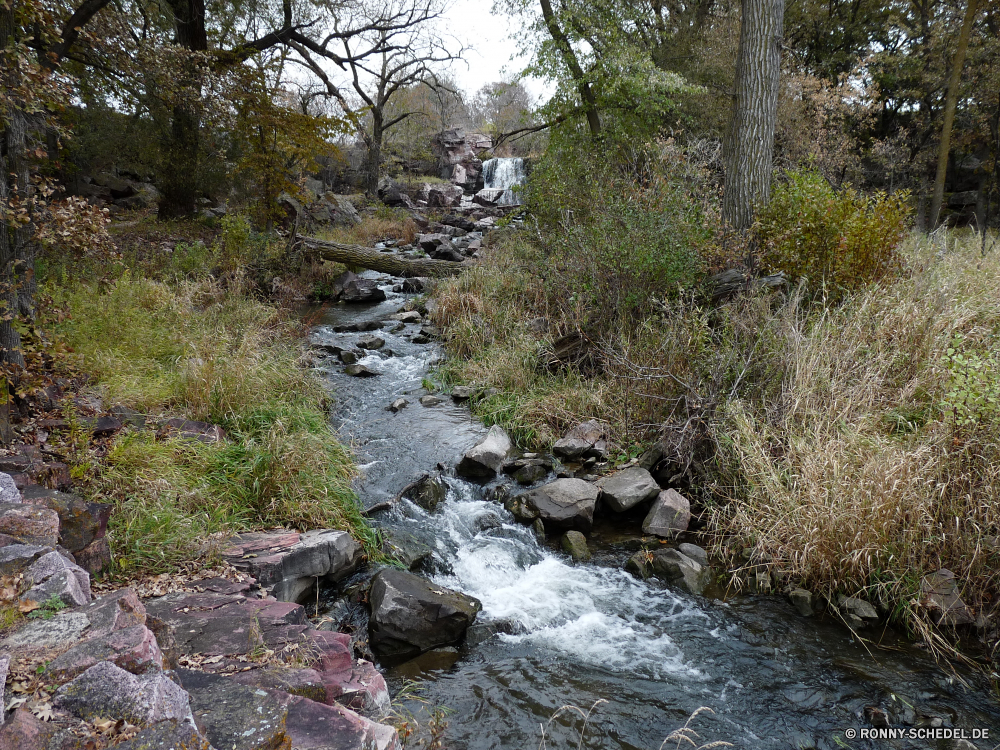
(826, 442)
(859, 478)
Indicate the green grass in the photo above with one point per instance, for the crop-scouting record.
(198, 350)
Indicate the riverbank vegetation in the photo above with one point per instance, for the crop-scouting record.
(166, 338)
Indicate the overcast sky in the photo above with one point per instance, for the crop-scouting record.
(492, 54)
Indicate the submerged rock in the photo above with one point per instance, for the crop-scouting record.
(484, 460)
(410, 615)
(360, 371)
(428, 492)
(563, 504)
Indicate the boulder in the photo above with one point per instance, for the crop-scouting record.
(80, 522)
(53, 575)
(371, 342)
(288, 564)
(462, 393)
(95, 557)
(167, 735)
(430, 242)
(23, 731)
(531, 472)
(415, 284)
(484, 460)
(16, 557)
(627, 488)
(939, 595)
(696, 553)
(360, 290)
(62, 629)
(802, 600)
(669, 516)
(410, 615)
(428, 492)
(359, 371)
(307, 683)
(109, 692)
(9, 493)
(562, 504)
(398, 405)
(431, 400)
(30, 524)
(857, 612)
(575, 544)
(316, 726)
(672, 566)
(489, 196)
(410, 316)
(586, 440)
(4, 672)
(444, 196)
(405, 548)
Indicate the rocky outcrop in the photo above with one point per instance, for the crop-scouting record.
(484, 460)
(457, 152)
(29, 524)
(627, 488)
(562, 504)
(289, 564)
(410, 615)
(669, 516)
(327, 210)
(106, 690)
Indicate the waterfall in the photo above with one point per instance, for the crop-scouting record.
(504, 174)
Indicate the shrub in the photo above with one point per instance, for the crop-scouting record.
(836, 240)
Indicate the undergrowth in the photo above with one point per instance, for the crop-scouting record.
(850, 445)
(205, 351)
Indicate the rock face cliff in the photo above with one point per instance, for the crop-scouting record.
(456, 152)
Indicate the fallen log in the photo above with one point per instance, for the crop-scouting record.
(392, 264)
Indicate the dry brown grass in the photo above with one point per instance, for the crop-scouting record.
(385, 224)
(823, 438)
(857, 479)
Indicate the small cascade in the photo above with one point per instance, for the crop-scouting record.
(504, 174)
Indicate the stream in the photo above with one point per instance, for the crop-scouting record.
(573, 634)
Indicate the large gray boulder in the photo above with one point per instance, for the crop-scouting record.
(54, 575)
(562, 504)
(583, 441)
(484, 460)
(627, 488)
(672, 566)
(109, 692)
(288, 564)
(411, 615)
(669, 516)
(9, 493)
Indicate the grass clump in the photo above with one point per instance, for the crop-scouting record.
(199, 350)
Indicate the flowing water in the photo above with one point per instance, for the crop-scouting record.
(578, 633)
(505, 174)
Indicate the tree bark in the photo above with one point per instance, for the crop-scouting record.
(569, 57)
(950, 104)
(373, 160)
(366, 257)
(748, 148)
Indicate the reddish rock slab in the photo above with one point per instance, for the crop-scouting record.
(316, 726)
(217, 624)
(133, 649)
(167, 735)
(106, 691)
(307, 683)
(95, 557)
(24, 732)
(289, 564)
(30, 524)
(361, 687)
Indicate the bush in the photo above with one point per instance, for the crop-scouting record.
(836, 241)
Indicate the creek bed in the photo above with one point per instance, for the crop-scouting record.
(577, 633)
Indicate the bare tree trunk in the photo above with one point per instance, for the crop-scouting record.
(950, 104)
(373, 161)
(748, 148)
(366, 257)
